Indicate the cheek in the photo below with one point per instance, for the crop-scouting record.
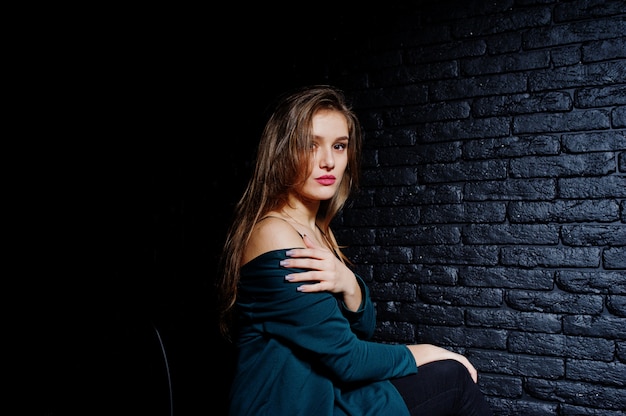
(342, 163)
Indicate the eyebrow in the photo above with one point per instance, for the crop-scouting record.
(346, 138)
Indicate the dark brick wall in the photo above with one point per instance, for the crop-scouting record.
(492, 215)
(491, 218)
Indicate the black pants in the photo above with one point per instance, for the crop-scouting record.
(442, 388)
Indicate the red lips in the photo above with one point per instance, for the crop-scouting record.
(326, 180)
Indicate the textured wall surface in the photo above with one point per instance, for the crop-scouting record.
(491, 219)
(492, 215)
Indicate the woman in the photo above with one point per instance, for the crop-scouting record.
(300, 318)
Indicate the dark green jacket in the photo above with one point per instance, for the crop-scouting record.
(305, 354)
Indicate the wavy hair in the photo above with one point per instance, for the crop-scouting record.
(285, 143)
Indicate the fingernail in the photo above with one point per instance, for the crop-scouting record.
(284, 262)
(289, 277)
(288, 253)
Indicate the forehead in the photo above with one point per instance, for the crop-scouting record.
(330, 124)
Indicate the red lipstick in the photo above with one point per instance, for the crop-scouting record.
(326, 180)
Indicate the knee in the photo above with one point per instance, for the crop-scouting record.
(454, 370)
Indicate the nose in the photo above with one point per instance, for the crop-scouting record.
(327, 160)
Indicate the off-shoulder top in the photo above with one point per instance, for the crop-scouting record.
(304, 354)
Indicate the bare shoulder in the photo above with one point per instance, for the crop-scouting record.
(269, 234)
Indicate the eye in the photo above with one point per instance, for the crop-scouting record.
(340, 146)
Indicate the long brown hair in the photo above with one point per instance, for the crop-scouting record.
(285, 143)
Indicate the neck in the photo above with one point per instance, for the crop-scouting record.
(296, 216)
(301, 212)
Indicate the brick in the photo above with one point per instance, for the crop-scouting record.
(566, 55)
(395, 332)
(590, 164)
(602, 73)
(503, 43)
(403, 292)
(463, 129)
(502, 362)
(575, 392)
(430, 235)
(608, 327)
(616, 304)
(453, 172)
(456, 213)
(559, 345)
(614, 258)
(456, 255)
(580, 120)
(586, 9)
(418, 195)
(511, 234)
(561, 211)
(596, 281)
(522, 407)
(550, 256)
(390, 137)
(600, 372)
(594, 141)
(389, 176)
(409, 115)
(518, 61)
(410, 272)
(522, 104)
(506, 277)
(417, 73)
(431, 153)
(460, 296)
(514, 320)
(445, 52)
(497, 385)
(570, 410)
(554, 302)
(593, 235)
(516, 19)
(377, 254)
(621, 350)
(601, 96)
(397, 216)
(511, 146)
(508, 83)
(511, 190)
(425, 314)
(618, 117)
(463, 337)
(575, 32)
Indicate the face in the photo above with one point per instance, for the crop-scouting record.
(330, 155)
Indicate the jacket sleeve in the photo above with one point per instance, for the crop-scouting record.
(316, 326)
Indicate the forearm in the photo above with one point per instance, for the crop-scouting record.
(353, 296)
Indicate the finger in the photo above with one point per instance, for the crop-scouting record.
(311, 253)
(473, 373)
(301, 263)
(308, 276)
(313, 287)
(298, 252)
(308, 241)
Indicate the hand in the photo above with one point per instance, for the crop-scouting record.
(324, 268)
(426, 353)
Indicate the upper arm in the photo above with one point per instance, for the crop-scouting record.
(271, 234)
(312, 326)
